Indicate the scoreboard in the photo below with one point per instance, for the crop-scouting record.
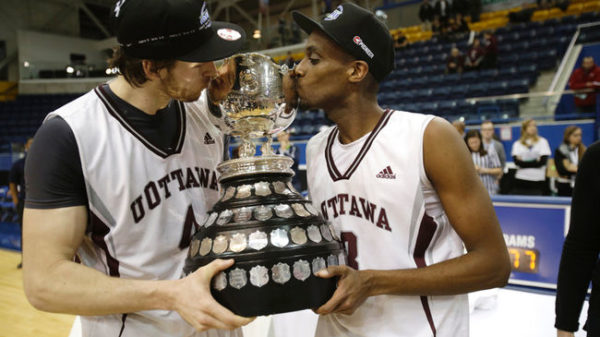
(534, 229)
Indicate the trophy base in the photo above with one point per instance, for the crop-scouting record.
(251, 166)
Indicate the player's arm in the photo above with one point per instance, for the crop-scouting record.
(486, 265)
(14, 194)
(53, 282)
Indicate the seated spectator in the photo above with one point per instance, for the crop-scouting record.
(438, 29)
(426, 14)
(400, 40)
(490, 51)
(530, 154)
(487, 164)
(289, 61)
(459, 26)
(586, 77)
(455, 62)
(566, 158)
(460, 127)
(474, 56)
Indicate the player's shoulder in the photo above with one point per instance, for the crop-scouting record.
(320, 139)
(86, 103)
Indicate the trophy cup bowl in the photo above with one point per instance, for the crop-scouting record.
(277, 238)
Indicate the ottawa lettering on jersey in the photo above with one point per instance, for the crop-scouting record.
(346, 204)
(177, 180)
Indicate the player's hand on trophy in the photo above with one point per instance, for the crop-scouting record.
(220, 86)
(195, 304)
(352, 290)
(289, 90)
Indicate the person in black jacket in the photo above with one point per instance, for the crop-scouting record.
(426, 13)
(566, 157)
(443, 10)
(579, 263)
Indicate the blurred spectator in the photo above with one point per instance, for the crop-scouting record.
(530, 154)
(459, 26)
(579, 263)
(438, 29)
(443, 10)
(289, 61)
(400, 40)
(282, 30)
(455, 62)
(295, 29)
(16, 185)
(460, 7)
(426, 14)
(474, 56)
(460, 127)
(490, 144)
(288, 149)
(566, 158)
(490, 51)
(588, 76)
(475, 10)
(486, 163)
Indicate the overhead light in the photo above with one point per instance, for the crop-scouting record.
(108, 71)
(70, 70)
(256, 34)
(26, 64)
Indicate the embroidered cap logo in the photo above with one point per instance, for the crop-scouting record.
(357, 40)
(335, 14)
(204, 17)
(118, 7)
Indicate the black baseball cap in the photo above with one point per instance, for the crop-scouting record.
(173, 29)
(358, 32)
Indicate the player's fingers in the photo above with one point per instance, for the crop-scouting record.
(332, 271)
(216, 266)
(330, 306)
(224, 315)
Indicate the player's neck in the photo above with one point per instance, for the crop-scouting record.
(356, 120)
(147, 98)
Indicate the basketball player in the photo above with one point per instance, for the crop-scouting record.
(399, 187)
(118, 180)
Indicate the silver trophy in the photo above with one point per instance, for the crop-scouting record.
(255, 108)
(277, 238)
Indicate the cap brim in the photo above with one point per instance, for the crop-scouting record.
(309, 25)
(221, 44)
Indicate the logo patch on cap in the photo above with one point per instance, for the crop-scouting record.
(229, 34)
(335, 14)
(204, 17)
(357, 40)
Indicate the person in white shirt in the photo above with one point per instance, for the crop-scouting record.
(530, 154)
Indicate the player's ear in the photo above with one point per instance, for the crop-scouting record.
(357, 71)
(150, 70)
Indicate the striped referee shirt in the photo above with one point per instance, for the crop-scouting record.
(490, 160)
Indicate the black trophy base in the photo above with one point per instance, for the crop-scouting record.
(275, 298)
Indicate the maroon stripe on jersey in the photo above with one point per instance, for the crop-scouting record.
(361, 154)
(99, 231)
(112, 110)
(333, 171)
(367, 145)
(123, 318)
(424, 237)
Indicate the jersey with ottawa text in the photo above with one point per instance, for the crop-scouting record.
(390, 217)
(144, 204)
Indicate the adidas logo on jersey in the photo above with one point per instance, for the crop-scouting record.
(208, 139)
(386, 173)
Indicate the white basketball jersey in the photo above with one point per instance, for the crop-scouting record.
(390, 217)
(144, 204)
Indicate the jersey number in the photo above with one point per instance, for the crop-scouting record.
(349, 240)
(186, 236)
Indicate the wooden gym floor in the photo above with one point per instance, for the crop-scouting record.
(17, 317)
